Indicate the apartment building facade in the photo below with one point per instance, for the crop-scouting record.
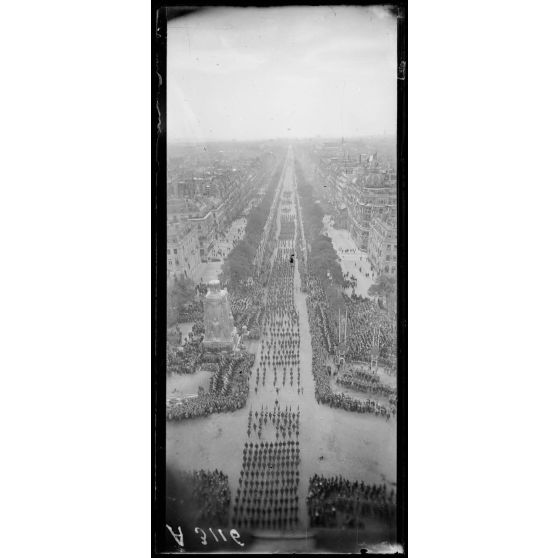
(382, 247)
(364, 194)
(183, 252)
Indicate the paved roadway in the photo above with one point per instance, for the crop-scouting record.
(359, 446)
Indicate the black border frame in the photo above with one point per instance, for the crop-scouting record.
(159, 18)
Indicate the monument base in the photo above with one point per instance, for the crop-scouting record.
(218, 345)
(233, 344)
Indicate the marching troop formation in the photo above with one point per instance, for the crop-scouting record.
(269, 478)
(279, 357)
(286, 422)
(267, 494)
(268, 486)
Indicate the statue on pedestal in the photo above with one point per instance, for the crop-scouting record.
(220, 332)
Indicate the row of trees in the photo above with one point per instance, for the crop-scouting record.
(323, 257)
(239, 264)
(323, 261)
(385, 287)
(179, 293)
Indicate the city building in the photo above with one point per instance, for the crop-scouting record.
(206, 229)
(363, 191)
(382, 247)
(183, 251)
(204, 195)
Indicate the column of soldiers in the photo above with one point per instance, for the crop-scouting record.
(285, 421)
(267, 495)
(280, 327)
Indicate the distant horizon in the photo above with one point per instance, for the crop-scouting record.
(284, 138)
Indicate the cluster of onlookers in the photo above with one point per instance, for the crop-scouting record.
(360, 339)
(183, 359)
(191, 312)
(350, 281)
(205, 405)
(377, 388)
(322, 379)
(211, 496)
(247, 305)
(369, 330)
(348, 403)
(220, 398)
(198, 328)
(325, 328)
(338, 502)
(202, 288)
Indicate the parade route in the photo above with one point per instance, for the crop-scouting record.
(332, 441)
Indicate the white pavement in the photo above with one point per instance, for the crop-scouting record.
(352, 261)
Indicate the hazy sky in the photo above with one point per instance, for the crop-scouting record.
(253, 73)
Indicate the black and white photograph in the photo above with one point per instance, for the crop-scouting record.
(281, 348)
(282, 273)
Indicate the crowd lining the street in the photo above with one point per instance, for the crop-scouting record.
(224, 395)
(211, 496)
(337, 502)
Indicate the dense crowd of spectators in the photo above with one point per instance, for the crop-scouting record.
(211, 496)
(198, 328)
(368, 329)
(375, 388)
(227, 393)
(183, 359)
(324, 326)
(247, 305)
(321, 368)
(191, 312)
(368, 383)
(338, 502)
